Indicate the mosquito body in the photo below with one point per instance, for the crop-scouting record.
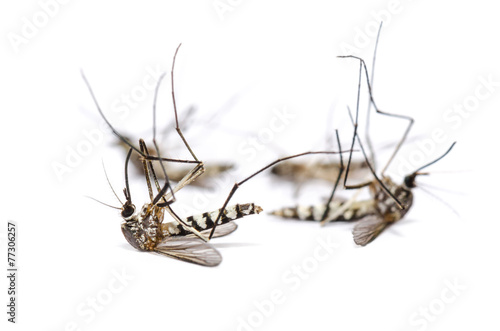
(206, 221)
(146, 231)
(379, 204)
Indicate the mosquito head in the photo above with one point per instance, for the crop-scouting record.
(128, 211)
(409, 180)
(128, 208)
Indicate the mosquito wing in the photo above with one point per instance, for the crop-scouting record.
(220, 231)
(190, 249)
(368, 229)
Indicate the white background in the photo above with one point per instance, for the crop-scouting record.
(244, 65)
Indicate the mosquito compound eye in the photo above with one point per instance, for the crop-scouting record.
(410, 181)
(128, 211)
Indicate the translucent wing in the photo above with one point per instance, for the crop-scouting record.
(190, 249)
(221, 230)
(368, 229)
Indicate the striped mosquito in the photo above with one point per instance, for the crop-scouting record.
(181, 238)
(389, 201)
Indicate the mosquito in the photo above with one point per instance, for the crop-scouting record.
(182, 238)
(389, 203)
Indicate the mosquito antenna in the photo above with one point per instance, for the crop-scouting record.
(367, 133)
(372, 100)
(410, 179)
(341, 170)
(109, 183)
(102, 202)
(436, 160)
(120, 136)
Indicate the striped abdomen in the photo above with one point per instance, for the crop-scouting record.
(355, 211)
(206, 220)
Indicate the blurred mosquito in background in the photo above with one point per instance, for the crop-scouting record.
(182, 238)
(177, 171)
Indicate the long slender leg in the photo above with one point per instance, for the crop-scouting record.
(367, 133)
(400, 205)
(145, 166)
(341, 170)
(177, 127)
(356, 136)
(408, 118)
(238, 184)
(186, 180)
(167, 181)
(355, 131)
(150, 174)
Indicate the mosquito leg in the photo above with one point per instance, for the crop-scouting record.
(341, 170)
(387, 191)
(238, 184)
(177, 127)
(145, 165)
(355, 129)
(367, 133)
(150, 173)
(346, 205)
(166, 203)
(372, 100)
(163, 191)
(186, 180)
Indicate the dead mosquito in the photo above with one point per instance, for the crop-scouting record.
(389, 203)
(182, 238)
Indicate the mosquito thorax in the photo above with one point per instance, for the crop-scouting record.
(386, 205)
(142, 230)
